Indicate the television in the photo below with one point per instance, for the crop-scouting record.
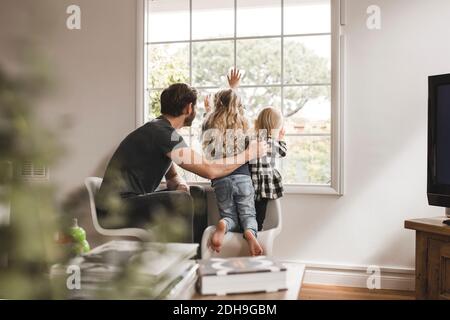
(439, 141)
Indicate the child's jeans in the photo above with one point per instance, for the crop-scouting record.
(235, 199)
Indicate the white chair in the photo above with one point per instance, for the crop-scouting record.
(93, 185)
(234, 244)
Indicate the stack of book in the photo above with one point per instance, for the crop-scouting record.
(241, 275)
(140, 270)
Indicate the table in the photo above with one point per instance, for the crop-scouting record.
(295, 273)
(432, 257)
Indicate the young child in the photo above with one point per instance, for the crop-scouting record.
(266, 179)
(225, 135)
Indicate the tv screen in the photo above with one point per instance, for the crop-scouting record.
(443, 134)
(439, 141)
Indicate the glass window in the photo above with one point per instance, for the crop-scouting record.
(283, 49)
(308, 161)
(267, 53)
(256, 98)
(307, 109)
(168, 63)
(212, 19)
(168, 20)
(210, 60)
(307, 60)
(307, 16)
(258, 18)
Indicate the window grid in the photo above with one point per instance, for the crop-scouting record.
(190, 45)
(240, 38)
(235, 38)
(282, 62)
(250, 86)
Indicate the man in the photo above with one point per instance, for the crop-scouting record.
(127, 196)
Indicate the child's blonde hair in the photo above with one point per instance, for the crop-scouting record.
(228, 114)
(268, 119)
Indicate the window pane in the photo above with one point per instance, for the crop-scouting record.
(186, 133)
(154, 105)
(200, 116)
(258, 17)
(307, 60)
(168, 64)
(168, 20)
(255, 99)
(212, 19)
(308, 160)
(307, 109)
(211, 61)
(193, 141)
(307, 16)
(260, 60)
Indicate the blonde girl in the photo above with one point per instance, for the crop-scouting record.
(225, 132)
(267, 180)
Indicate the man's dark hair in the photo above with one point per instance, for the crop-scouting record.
(176, 97)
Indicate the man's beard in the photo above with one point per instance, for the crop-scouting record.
(188, 120)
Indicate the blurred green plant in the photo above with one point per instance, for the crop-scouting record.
(30, 216)
(26, 242)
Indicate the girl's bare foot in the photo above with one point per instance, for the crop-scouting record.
(253, 244)
(217, 237)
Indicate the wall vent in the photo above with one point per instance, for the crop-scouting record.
(33, 171)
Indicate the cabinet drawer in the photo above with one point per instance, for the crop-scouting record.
(444, 287)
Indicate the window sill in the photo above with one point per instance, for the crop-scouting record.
(311, 190)
(294, 189)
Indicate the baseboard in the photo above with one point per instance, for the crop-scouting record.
(357, 276)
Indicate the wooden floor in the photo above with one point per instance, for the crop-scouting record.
(321, 292)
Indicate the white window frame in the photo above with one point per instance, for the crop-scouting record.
(338, 18)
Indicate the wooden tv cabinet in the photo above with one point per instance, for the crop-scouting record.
(432, 258)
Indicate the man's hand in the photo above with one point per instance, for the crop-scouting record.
(183, 187)
(177, 184)
(234, 78)
(256, 149)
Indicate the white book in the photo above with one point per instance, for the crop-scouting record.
(241, 275)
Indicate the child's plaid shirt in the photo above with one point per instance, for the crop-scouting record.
(266, 179)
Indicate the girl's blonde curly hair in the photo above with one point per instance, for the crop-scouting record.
(227, 117)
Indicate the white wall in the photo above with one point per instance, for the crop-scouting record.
(94, 76)
(385, 122)
(97, 70)
(385, 141)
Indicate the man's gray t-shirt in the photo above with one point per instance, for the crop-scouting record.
(140, 162)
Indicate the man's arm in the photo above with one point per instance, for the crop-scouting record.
(190, 160)
(174, 181)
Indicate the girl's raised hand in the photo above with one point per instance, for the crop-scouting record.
(234, 78)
